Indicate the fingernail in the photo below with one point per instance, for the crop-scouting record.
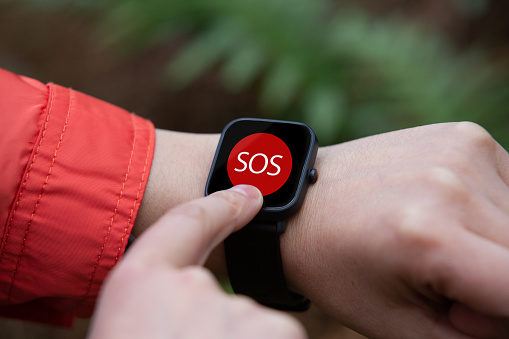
(249, 191)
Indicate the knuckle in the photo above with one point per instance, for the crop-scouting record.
(415, 231)
(197, 277)
(461, 145)
(446, 183)
(473, 135)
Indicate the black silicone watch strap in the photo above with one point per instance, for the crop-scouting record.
(253, 258)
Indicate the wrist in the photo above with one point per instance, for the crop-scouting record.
(297, 252)
(179, 171)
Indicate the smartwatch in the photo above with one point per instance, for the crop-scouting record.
(277, 157)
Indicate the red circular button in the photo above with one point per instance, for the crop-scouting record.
(262, 160)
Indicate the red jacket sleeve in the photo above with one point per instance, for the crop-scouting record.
(74, 170)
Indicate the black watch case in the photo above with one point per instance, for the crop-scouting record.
(303, 145)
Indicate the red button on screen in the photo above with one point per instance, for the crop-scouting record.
(262, 160)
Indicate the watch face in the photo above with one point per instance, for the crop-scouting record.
(274, 156)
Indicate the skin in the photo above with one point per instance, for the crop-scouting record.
(404, 235)
(180, 298)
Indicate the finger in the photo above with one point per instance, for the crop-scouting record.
(487, 220)
(198, 299)
(415, 323)
(256, 321)
(471, 270)
(475, 324)
(186, 234)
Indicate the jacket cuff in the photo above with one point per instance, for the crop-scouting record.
(76, 202)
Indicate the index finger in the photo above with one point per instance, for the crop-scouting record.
(187, 233)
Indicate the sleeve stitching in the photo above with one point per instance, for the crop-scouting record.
(137, 198)
(25, 179)
(96, 265)
(20, 255)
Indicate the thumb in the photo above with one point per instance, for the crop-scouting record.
(187, 233)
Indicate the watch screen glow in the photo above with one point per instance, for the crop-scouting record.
(262, 160)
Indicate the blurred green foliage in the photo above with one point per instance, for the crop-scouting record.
(340, 70)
